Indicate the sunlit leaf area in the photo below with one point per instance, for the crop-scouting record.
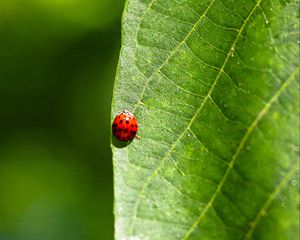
(215, 87)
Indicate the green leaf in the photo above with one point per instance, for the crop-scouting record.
(215, 87)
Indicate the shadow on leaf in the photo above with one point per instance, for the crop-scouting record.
(119, 144)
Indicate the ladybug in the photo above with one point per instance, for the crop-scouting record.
(125, 126)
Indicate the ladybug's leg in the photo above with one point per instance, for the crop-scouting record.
(137, 137)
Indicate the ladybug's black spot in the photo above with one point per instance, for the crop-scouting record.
(127, 122)
(135, 125)
(126, 130)
(121, 121)
(114, 125)
(131, 125)
(120, 129)
(133, 132)
(119, 116)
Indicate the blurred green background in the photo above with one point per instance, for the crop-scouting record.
(57, 66)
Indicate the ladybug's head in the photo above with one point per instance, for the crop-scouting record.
(126, 112)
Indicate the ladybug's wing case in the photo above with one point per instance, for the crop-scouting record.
(125, 126)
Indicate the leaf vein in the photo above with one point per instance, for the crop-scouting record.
(224, 115)
(231, 11)
(171, 17)
(199, 59)
(220, 159)
(221, 27)
(179, 87)
(271, 198)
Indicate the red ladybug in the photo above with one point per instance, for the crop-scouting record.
(125, 126)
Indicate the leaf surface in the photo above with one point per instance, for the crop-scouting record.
(215, 87)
